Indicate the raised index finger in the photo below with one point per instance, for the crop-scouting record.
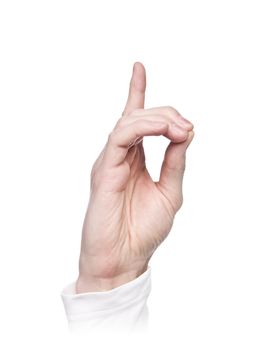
(137, 88)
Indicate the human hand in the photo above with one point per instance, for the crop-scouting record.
(128, 214)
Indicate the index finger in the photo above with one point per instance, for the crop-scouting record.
(123, 137)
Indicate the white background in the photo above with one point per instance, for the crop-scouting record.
(64, 73)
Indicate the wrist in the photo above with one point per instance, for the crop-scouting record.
(87, 282)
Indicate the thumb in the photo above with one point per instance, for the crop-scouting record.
(173, 167)
(137, 89)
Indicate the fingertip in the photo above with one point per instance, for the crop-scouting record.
(137, 89)
(190, 126)
(138, 66)
(186, 123)
(139, 76)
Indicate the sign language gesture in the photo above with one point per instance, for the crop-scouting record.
(128, 214)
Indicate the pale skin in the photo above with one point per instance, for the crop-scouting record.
(129, 215)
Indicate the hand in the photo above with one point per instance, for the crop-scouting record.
(128, 214)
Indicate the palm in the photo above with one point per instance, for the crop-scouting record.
(148, 214)
(134, 215)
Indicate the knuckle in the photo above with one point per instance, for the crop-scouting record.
(180, 201)
(137, 111)
(172, 110)
(138, 122)
(181, 166)
(120, 123)
(111, 136)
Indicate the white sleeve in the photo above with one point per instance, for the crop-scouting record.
(122, 308)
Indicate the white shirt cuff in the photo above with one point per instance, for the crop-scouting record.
(123, 307)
